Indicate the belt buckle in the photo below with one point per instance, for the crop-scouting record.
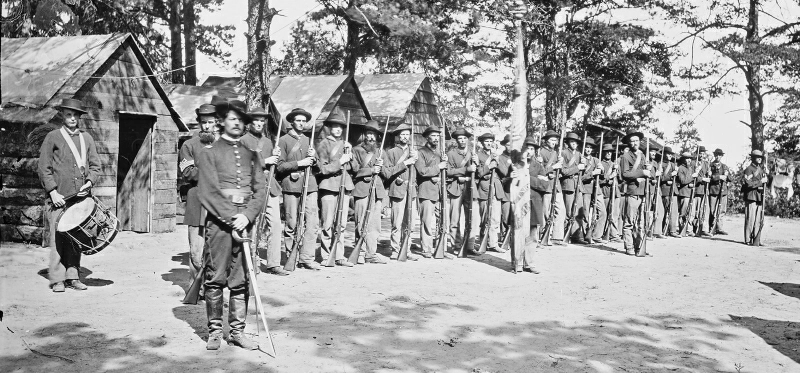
(237, 199)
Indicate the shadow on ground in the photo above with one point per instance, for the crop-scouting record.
(84, 274)
(787, 289)
(783, 336)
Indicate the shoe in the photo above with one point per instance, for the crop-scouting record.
(76, 284)
(413, 257)
(214, 341)
(376, 259)
(579, 241)
(704, 234)
(559, 243)
(344, 263)
(312, 266)
(240, 340)
(426, 255)
(721, 232)
(599, 241)
(278, 271)
(394, 255)
(360, 260)
(531, 270)
(58, 287)
(673, 234)
(630, 252)
(661, 236)
(500, 250)
(616, 240)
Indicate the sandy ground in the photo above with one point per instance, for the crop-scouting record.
(698, 305)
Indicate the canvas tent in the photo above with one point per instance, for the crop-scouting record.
(129, 116)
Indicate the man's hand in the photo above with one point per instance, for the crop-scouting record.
(442, 165)
(646, 172)
(706, 179)
(305, 162)
(346, 157)
(273, 159)
(276, 151)
(543, 177)
(581, 166)
(515, 173)
(658, 173)
(492, 164)
(240, 222)
(695, 174)
(444, 158)
(84, 189)
(409, 161)
(471, 168)
(378, 164)
(764, 179)
(185, 163)
(597, 171)
(723, 177)
(475, 158)
(674, 173)
(311, 153)
(57, 198)
(558, 165)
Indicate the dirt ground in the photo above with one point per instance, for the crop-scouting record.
(697, 305)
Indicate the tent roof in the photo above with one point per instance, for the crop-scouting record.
(389, 94)
(316, 94)
(37, 72)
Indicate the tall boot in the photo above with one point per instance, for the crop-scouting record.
(213, 298)
(237, 312)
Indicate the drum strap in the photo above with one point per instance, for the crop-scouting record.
(80, 159)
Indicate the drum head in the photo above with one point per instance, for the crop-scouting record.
(74, 215)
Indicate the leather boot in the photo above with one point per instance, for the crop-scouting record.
(237, 312)
(213, 299)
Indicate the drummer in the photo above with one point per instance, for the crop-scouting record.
(68, 166)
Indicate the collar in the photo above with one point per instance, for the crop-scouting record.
(229, 139)
(72, 133)
(463, 151)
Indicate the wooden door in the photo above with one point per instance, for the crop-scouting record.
(134, 194)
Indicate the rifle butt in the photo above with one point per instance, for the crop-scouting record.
(331, 262)
(193, 294)
(291, 260)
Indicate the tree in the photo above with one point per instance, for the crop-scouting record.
(259, 19)
(754, 53)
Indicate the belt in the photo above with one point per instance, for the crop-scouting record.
(238, 196)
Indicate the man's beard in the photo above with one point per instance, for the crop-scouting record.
(206, 137)
(369, 146)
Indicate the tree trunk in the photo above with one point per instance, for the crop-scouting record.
(176, 52)
(189, 41)
(521, 100)
(352, 46)
(259, 19)
(550, 71)
(752, 74)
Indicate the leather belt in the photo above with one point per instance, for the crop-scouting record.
(238, 196)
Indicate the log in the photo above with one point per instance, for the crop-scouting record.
(22, 215)
(22, 196)
(19, 166)
(17, 181)
(21, 233)
(162, 225)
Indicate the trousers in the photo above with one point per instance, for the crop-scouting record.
(291, 207)
(557, 230)
(492, 230)
(631, 232)
(373, 226)
(65, 255)
(328, 203)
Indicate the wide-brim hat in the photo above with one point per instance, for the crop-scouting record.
(572, 136)
(372, 125)
(295, 112)
(702, 149)
(686, 155)
(205, 109)
(531, 141)
(719, 151)
(506, 140)
(632, 133)
(668, 150)
(402, 127)
(548, 134)
(590, 141)
(757, 153)
(216, 100)
(238, 106)
(430, 129)
(337, 119)
(73, 104)
(460, 132)
(486, 136)
(259, 112)
(608, 147)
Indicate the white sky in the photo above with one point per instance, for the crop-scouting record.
(718, 123)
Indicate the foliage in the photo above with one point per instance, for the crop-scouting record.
(780, 207)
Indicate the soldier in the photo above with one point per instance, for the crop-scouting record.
(263, 137)
(569, 183)
(701, 189)
(719, 183)
(611, 193)
(656, 212)
(755, 178)
(540, 183)
(486, 166)
(397, 160)
(685, 183)
(552, 161)
(193, 213)
(334, 154)
(669, 198)
(503, 171)
(367, 164)
(232, 190)
(461, 161)
(635, 172)
(297, 154)
(428, 165)
(593, 168)
(68, 166)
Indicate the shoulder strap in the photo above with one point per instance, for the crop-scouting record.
(296, 146)
(466, 159)
(80, 158)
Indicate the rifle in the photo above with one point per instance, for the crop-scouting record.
(468, 210)
(300, 227)
(719, 202)
(756, 239)
(702, 208)
(551, 217)
(668, 206)
(408, 217)
(486, 219)
(572, 217)
(242, 237)
(691, 200)
(656, 197)
(592, 223)
(353, 258)
(645, 207)
(336, 237)
(612, 200)
(441, 246)
(262, 222)
(193, 293)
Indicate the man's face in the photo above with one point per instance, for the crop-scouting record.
(758, 160)
(551, 142)
(653, 153)
(70, 117)
(488, 144)
(508, 147)
(433, 138)
(530, 151)
(257, 126)
(572, 144)
(369, 138)
(207, 123)
(670, 157)
(232, 124)
(403, 137)
(336, 130)
(607, 155)
(462, 141)
(299, 123)
(633, 142)
(588, 149)
(718, 157)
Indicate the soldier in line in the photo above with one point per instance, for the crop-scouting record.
(669, 198)
(461, 161)
(487, 165)
(573, 165)
(755, 179)
(610, 187)
(635, 174)
(685, 183)
(552, 161)
(428, 166)
(397, 161)
(368, 166)
(701, 212)
(719, 183)
(586, 187)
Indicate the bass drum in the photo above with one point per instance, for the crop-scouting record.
(89, 224)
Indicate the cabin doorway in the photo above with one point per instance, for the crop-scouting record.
(134, 166)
